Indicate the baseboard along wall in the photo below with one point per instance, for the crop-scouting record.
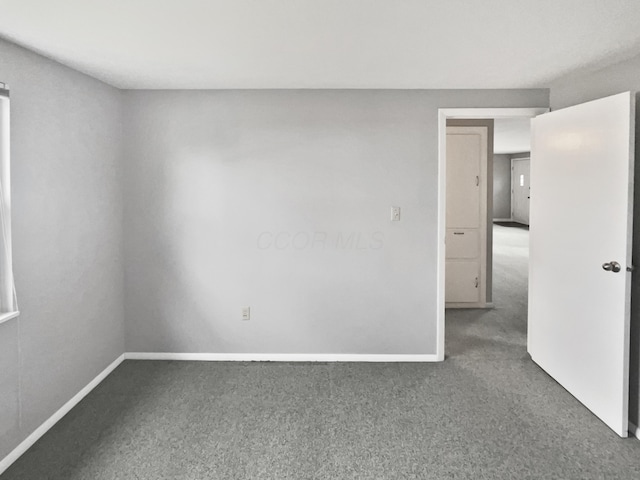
(6, 462)
(17, 452)
(280, 357)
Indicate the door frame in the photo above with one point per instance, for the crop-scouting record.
(513, 160)
(443, 115)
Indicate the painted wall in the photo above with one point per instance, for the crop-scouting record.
(67, 230)
(621, 77)
(501, 186)
(280, 200)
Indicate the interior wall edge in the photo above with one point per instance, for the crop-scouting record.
(66, 173)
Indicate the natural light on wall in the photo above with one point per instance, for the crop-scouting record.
(8, 303)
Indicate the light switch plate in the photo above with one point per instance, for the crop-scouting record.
(246, 313)
(395, 214)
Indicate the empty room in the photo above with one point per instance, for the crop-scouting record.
(319, 239)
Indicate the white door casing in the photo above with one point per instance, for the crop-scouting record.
(443, 115)
(581, 218)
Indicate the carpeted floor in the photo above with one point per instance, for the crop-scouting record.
(486, 413)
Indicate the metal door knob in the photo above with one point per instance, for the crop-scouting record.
(611, 267)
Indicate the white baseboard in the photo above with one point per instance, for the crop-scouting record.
(53, 419)
(7, 461)
(279, 357)
(486, 305)
(207, 357)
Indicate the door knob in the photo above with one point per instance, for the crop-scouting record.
(611, 267)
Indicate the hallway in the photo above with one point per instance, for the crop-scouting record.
(503, 328)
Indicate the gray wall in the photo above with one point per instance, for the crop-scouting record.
(208, 172)
(575, 89)
(502, 186)
(67, 229)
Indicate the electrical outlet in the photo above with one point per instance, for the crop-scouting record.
(395, 214)
(246, 313)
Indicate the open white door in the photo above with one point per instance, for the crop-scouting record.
(580, 248)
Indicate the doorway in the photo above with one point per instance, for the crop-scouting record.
(579, 307)
(444, 115)
(520, 190)
(498, 326)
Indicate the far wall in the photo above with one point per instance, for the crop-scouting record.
(280, 200)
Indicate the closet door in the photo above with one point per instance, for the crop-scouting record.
(465, 274)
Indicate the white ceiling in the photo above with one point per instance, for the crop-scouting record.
(326, 43)
(511, 135)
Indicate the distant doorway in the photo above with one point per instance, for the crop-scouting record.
(466, 114)
(520, 190)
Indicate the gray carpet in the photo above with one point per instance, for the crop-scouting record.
(486, 413)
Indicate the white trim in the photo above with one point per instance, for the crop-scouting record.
(493, 112)
(443, 115)
(633, 430)
(442, 230)
(467, 306)
(9, 291)
(8, 316)
(53, 419)
(280, 357)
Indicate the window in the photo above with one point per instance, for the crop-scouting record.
(8, 303)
